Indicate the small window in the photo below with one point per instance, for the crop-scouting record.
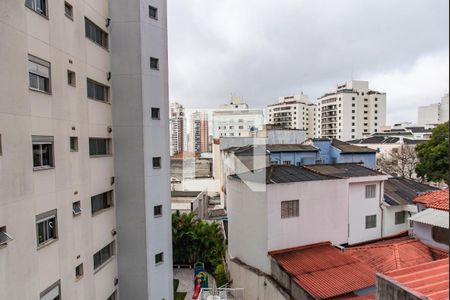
(74, 144)
(156, 162)
(290, 209)
(76, 208)
(38, 74)
(155, 113)
(53, 292)
(71, 78)
(96, 34)
(39, 6)
(79, 272)
(101, 202)
(400, 217)
(99, 147)
(159, 258)
(153, 12)
(154, 63)
(42, 152)
(46, 228)
(103, 256)
(97, 91)
(370, 191)
(68, 10)
(371, 222)
(4, 236)
(157, 210)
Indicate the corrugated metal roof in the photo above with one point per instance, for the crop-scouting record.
(400, 191)
(324, 271)
(433, 217)
(430, 280)
(347, 148)
(346, 170)
(435, 199)
(396, 253)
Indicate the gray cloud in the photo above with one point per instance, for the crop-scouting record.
(263, 49)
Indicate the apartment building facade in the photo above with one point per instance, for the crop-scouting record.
(434, 114)
(199, 133)
(294, 112)
(61, 203)
(177, 124)
(351, 111)
(235, 118)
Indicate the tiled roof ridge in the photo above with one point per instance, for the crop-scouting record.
(393, 245)
(420, 267)
(429, 192)
(287, 250)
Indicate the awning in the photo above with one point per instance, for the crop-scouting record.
(432, 217)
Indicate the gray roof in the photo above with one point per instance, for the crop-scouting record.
(401, 191)
(282, 174)
(343, 170)
(347, 148)
(252, 150)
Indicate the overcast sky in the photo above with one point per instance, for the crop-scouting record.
(263, 49)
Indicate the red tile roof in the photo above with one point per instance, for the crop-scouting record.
(397, 253)
(428, 280)
(434, 199)
(324, 271)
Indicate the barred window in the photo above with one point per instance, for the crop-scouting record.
(371, 221)
(370, 191)
(400, 217)
(290, 209)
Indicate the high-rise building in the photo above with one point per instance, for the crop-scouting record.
(199, 133)
(84, 168)
(351, 111)
(232, 119)
(434, 114)
(177, 125)
(294, 112)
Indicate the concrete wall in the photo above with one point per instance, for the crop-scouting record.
(387, 288)
(389, 226)
(256, 284)
(323, 213)
(139, 138)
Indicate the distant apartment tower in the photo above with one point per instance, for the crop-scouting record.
(232, 119)
(351, 111)
(177, 123)
(77, 131)
(434, 114)
(294, 112)
(199, 135)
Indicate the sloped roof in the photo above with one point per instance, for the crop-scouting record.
(431, 216)
(401, 191)
(376, 140)
(396, 253)
(324, 271)
(252, 150)
(282, 174)
(429, 280)
(347, 148)
(346, 170)
(435, 199)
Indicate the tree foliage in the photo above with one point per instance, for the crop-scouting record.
(433, 156)
(400, 161)
(195, 240)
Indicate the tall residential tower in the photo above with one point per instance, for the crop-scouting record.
(177, 124)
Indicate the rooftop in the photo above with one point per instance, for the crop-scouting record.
(347, 148)
(431, 216)
(324, 271)
(401, 191)
(282, 174)
(346, 170)
(426, 281)
(264, 149)
(434, 199)
(395, 253)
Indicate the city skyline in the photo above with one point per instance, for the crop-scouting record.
(401, 48)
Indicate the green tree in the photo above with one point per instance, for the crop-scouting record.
(433, 156)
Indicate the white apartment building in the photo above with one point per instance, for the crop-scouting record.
(86, 214)
(294, 112)
(177, 123)
(434, 114)
(233, 119)
(351, 111)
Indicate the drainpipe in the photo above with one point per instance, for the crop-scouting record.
(382, 210)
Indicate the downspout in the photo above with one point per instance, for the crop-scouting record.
(382, 210)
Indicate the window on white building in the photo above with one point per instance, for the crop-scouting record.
(42, 152)
(371, 191)
(96, 34)
(159, 258)
(52, 293)
(103, 255)
(46, 227)
(101, 202)
(371, 221)
(39, 74)
(290, 209)
(99, 146)
(153, 12)
(4, 236)
(39, 6)
(400, 217)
